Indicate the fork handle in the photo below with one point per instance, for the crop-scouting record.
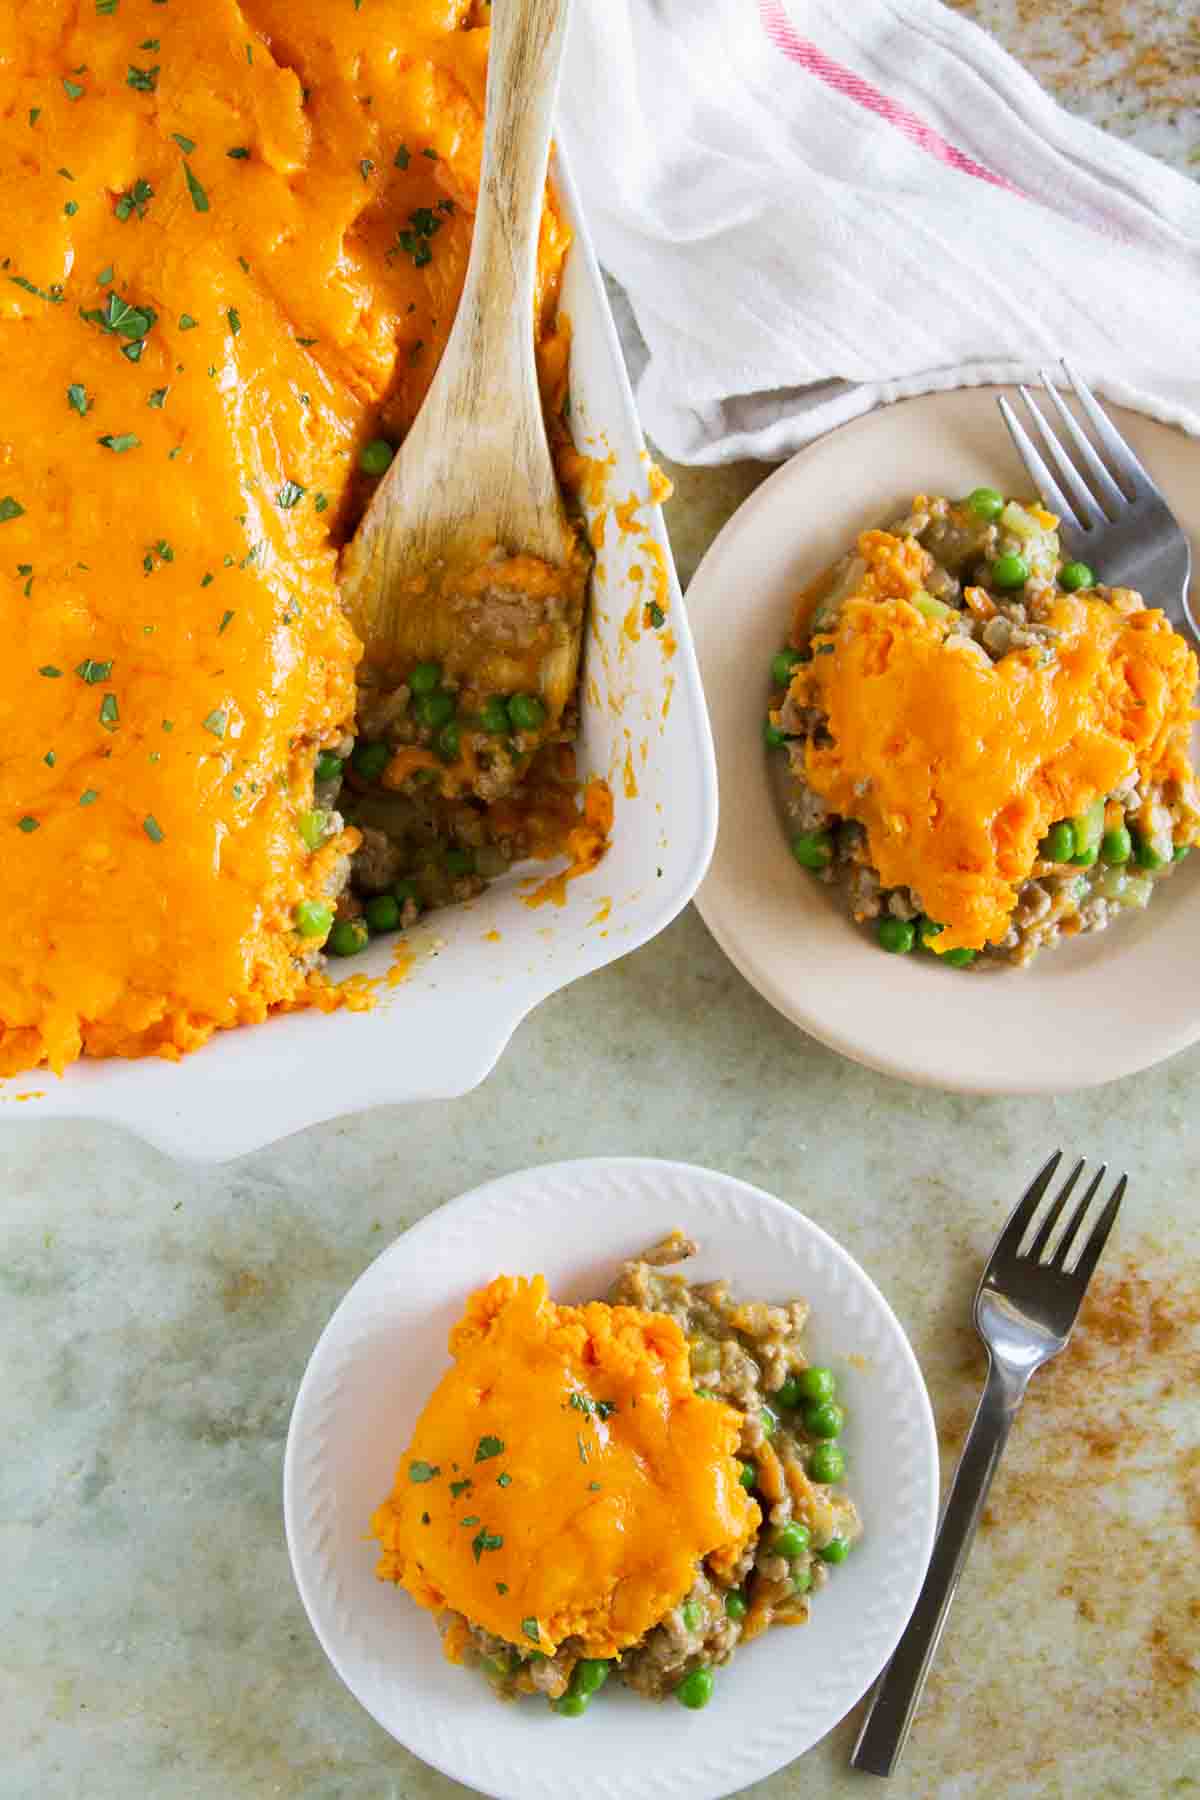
(889, 1719)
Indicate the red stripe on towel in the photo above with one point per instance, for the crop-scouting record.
(784, 36)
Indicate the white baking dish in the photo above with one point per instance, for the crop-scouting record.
(480, 969)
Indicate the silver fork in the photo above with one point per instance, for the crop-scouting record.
(1122, 528)
(1025, 1309)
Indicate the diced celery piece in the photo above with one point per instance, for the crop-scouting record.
(1111, 884)
(1089, 828)
(312, 827)
(1022, 524)
(932, 609)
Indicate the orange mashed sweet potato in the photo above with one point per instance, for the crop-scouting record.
(958, 766)
(232, 245)
(565, 1478)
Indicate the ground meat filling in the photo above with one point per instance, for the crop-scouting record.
(1059, 899)
(749, 1354)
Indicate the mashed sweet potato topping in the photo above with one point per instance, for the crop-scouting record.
(232, 244)
(565, 1478)
(957, 765)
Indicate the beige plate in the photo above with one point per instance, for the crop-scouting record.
(1096, 1008)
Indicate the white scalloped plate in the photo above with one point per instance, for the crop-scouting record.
(376, 1363)
(1102, 1006)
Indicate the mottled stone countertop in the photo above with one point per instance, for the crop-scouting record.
(156, 1320)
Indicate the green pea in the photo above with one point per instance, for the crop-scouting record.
(1180, 851)
(494, 716)
(375, 457)
(1075, 575)
(823, 1419)
(312, 827)
(571, 1705)
(813, 849)
(826, 1463)
(1144, 853)
(801, 1580)
(736, 1605)
(435, 709)
(835, 1551)
(1116, 846)
(459, 861)
(313, 918)
(769, 1420)
(425, 678)
(791, 1540)
(1058, 845)
(747, 1475)
(382, 913)
(527, 712)
(985, 502)
(816, 1383)
(896, 935)
(448, 741)
(1010, 571)
(370, 760)
(589, 1675)
(405, 891)
(696, 1689)
(783, 665)
(773, 738)
(1085, 858)
(328, 766)
(962, 958)
(693, 1613)
(927, 929)
(347, 938)
(790, 1394)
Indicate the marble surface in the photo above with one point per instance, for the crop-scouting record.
(155, 1321)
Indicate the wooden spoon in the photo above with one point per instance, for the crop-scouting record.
(465, 556)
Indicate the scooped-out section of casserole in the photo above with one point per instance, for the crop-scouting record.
(232, 245)
(988, 748)
(630, 1488)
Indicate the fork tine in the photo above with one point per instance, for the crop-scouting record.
(1124, 461)
(1086, 502)
(1058, 1260)
(1087, 452)
(1089, 1256)
(1048, 489)
(1027, 1205)
(1053, 1213)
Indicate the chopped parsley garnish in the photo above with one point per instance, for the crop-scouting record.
(91, 671)
(594, 1487)
(187, 323)
(431, 153)
(35, 113)
(657, 615)
(50, 672)
(110, 715)
(72, 89)
(487, 1447)
(289, 495)
(122, 319)
(423, 222)
(484, 1540)
(582, 1448)
(156, 397)
(53, 294)
(106, 8)
(502, 1587)
(532, 1629)
(134, 200)
(472, 1520)
(153, 829)
(10, 509)
(460, 1487)
(584, 1403)
(71, 208)
(239, 153)
(504, 1480)
(88, 797)
(235, 320)
(321, 502)
(207, 580)
(77, 397)
(215, 722)
(28, 823)
(306, 342)
(425, 1518)
(199, 197)
(144, 80)
(402, 158)
(366, 168)
(105, 275)
(423, 1471)
(148, 44)
(120, 441)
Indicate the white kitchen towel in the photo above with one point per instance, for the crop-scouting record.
(818, 205)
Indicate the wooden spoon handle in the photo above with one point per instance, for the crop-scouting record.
(524, 63)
